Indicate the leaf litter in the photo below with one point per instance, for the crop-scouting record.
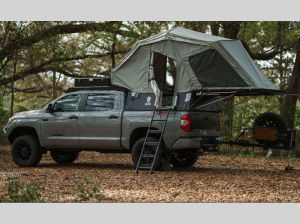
(214, 178)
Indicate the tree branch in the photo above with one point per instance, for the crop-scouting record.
(43, 84)
(35, 89)
(55, 30)
(264, 56)
(41, 67)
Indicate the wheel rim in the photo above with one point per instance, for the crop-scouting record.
(267, 122)
(24, 151)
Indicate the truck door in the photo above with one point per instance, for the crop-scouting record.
(59, 128)
(100, 120)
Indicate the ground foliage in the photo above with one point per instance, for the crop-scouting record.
(243, 177)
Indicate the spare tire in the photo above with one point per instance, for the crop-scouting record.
(270, 119)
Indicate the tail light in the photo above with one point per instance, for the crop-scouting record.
(220, 124)
(186, 123)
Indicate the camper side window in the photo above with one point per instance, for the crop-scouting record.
(100, 102)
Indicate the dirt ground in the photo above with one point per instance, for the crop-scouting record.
(213, 178)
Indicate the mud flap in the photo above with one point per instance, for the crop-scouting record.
(166, 165)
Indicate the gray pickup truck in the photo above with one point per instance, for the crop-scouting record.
(113, 121)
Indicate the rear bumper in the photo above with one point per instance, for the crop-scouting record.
(196, 143)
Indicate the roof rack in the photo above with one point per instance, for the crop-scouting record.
(94, 83)
(96, 88)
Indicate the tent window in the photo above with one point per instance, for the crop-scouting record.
(212, 70)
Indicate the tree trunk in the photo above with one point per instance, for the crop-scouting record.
(214, 27)
(289, 107)
(231, 29)
(54, 90)
(12, 89)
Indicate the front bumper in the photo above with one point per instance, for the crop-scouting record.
(7, 130)
(196, 143)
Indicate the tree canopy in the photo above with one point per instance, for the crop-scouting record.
(37, 59)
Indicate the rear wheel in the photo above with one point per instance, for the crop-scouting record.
(25, 151)
(184, 160)
(64, 157)
(270, 119)
(149, 150)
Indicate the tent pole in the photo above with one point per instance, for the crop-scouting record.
(215, 101)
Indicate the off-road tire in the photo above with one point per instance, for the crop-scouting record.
(33, 154)
(64, 157)
(183, 160)
(137, 148)
(279, 122)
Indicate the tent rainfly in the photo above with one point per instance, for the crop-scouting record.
(204, 62)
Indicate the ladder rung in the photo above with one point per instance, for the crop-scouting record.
(151, 143)
(145, 167)
(155, 131)
(148, 156)
(161, 108)
(159, 120)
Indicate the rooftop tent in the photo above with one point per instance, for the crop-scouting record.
(203, 62)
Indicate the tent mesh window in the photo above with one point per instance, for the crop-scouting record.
(212, 70)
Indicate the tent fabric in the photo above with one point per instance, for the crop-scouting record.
(236, 69)
(209, 67)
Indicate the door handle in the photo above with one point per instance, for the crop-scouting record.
(112, 116)
(73, 117)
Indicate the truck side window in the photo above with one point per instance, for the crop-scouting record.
(100, 102)
(67, 103)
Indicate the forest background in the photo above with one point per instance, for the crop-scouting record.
(38, 61)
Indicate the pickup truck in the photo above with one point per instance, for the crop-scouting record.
(113, 121)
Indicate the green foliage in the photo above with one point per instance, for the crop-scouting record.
(4, 115)
(245, 113)
(20, 108)
(19, 192)
(87, 191)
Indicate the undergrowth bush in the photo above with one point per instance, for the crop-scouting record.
(17, 191)
(86, 191)
(4, 115)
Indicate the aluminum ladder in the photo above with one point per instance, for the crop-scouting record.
(157, 144)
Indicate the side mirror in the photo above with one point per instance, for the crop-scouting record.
(49, 108)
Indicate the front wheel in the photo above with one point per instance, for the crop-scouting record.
(183, 160)
(25, 151)
(64, 157)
